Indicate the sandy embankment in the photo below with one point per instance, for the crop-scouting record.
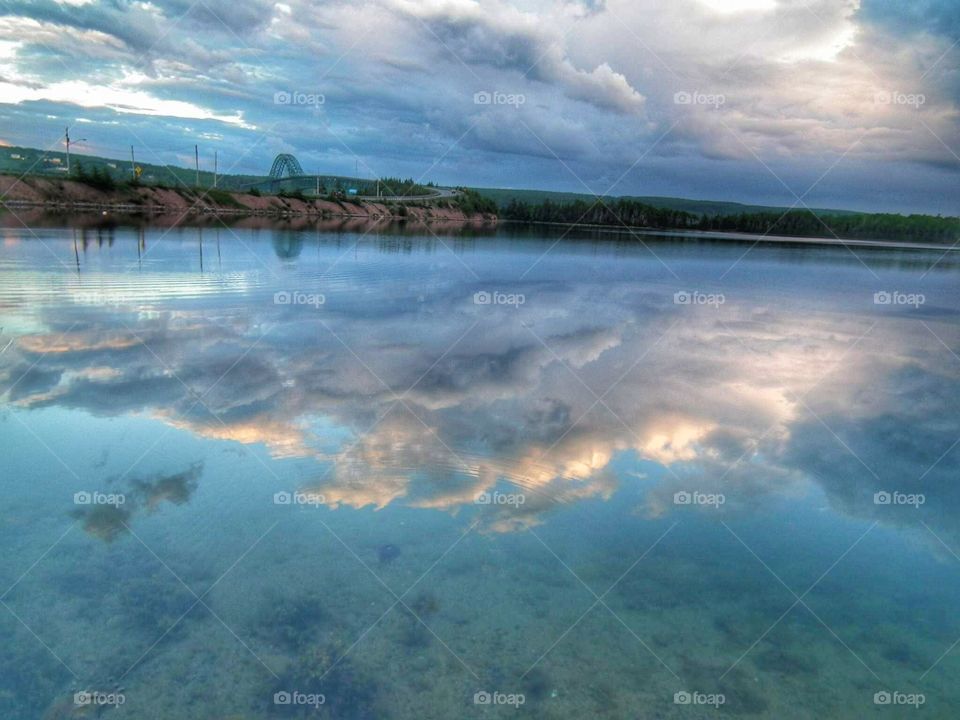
(57, 194)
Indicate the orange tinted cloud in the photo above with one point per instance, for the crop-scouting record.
(73, 342)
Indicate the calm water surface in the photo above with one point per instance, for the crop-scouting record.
(254, 473)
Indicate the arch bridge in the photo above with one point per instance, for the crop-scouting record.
(285, 165)
(286, 174)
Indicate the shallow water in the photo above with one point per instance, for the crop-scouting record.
(389, 475)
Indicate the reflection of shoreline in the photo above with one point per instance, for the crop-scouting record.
(801, 250)
(718, 235)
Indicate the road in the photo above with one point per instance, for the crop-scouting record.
(438, 194)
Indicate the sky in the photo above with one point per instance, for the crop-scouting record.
(822, 103)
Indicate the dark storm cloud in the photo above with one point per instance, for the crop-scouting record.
(242, 18)
(137, 28)
(477, 42)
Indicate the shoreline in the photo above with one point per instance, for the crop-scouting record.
(65, 196)
(57, 195)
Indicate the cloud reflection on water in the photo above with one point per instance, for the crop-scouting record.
(754, 399)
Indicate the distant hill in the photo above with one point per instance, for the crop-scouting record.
(719, 207)
(503, 196)
(20, 160)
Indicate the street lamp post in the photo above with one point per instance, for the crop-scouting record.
(66, 134)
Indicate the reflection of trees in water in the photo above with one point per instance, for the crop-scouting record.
(108, 521)
(287, 246)
(176, 489)
(105, 522)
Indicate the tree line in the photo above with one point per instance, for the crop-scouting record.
(616, 212)
(795, 223)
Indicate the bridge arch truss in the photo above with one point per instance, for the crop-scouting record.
(285, 165)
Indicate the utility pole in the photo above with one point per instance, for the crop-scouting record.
(196, 161)
(133, 164)
(66, 134)
(214, 168)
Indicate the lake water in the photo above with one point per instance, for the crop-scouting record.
(361, 473)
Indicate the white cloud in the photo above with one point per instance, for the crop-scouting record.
(123, 100)
(738, 6)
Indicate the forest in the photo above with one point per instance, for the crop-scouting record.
(621, 212)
